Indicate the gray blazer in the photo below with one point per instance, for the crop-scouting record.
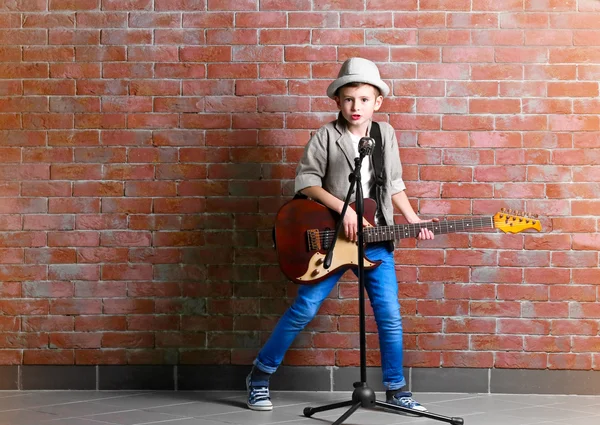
(328, 160)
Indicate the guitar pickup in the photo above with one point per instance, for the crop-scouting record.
(314, 240)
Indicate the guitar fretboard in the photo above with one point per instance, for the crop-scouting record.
(401, 231)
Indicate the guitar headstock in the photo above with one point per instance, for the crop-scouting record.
(510, 221)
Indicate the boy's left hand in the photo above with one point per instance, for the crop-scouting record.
(425, 233)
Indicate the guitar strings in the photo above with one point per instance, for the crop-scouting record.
(400, 231)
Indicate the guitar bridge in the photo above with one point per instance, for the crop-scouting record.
(314, 240)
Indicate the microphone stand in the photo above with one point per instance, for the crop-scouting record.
(363, 395)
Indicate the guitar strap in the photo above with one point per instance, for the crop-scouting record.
(377, 164)
(377, 154)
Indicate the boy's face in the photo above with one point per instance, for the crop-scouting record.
(357, 105)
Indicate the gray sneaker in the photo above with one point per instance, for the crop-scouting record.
(404, 399)
(258, 395)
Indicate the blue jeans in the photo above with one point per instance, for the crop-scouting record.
(382, 288)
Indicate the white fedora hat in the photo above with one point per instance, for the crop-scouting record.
(358, 70)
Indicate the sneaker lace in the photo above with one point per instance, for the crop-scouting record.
(260, 393)
(408, 401)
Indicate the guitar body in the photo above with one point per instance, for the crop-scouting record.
(298, 261)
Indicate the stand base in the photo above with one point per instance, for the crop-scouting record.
(363, 396)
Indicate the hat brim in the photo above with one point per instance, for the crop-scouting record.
(347, 79)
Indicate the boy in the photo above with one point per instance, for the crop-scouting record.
(322, 175)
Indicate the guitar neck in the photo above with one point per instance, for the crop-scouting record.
(401, 231)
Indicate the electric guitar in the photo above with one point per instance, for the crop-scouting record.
(304, 232)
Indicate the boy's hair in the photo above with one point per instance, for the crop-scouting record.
(357, 84)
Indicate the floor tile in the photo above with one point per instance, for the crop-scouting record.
(229, 408)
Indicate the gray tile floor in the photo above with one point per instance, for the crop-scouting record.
(222, 408)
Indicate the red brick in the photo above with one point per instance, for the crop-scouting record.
(391, 37)
(416, 54)
(309, 53)
(445, 5)
(453, 71)
(524, 326)
(76, 306)
(573, 293)
(75, 340)
(48, 323)
(468, 359)
(101, 19)
(574, 55)
(469, 325)
(419, 88)
(127, 340)
(552, 38)
(473, 20)
(371, 20)
(258, 53)
(467, 123)
(569, 361)
(524, 20)
(126, 4)
(496, 342)
(48, 357)
(545, 310)
(586, 242)
(47, 121)
(459, 190)
(443, 342)
(486, 89)
(187, 37)
(511, 360)
(585, 344)
(574, 327)
(521, 123)
(523, 89)
(498, 309)
(494, 106)
(415, 122)
(100, 289)
(572, 89)
(309, 19)
(51, 256)
(95, 357)
(492, 5)
(205, 53)
(576, 157)
(573, 225)
(468, 54)
(211, 20)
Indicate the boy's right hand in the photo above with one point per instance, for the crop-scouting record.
(350, 224)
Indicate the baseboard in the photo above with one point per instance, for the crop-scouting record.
(294, 378)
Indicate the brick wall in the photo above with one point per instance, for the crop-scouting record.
(145, 146)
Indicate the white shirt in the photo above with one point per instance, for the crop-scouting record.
(367, 175)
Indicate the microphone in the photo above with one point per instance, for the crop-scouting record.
(366, 145)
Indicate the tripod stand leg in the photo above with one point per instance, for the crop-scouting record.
(346, 415)
(309, 411)
(430, 415)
